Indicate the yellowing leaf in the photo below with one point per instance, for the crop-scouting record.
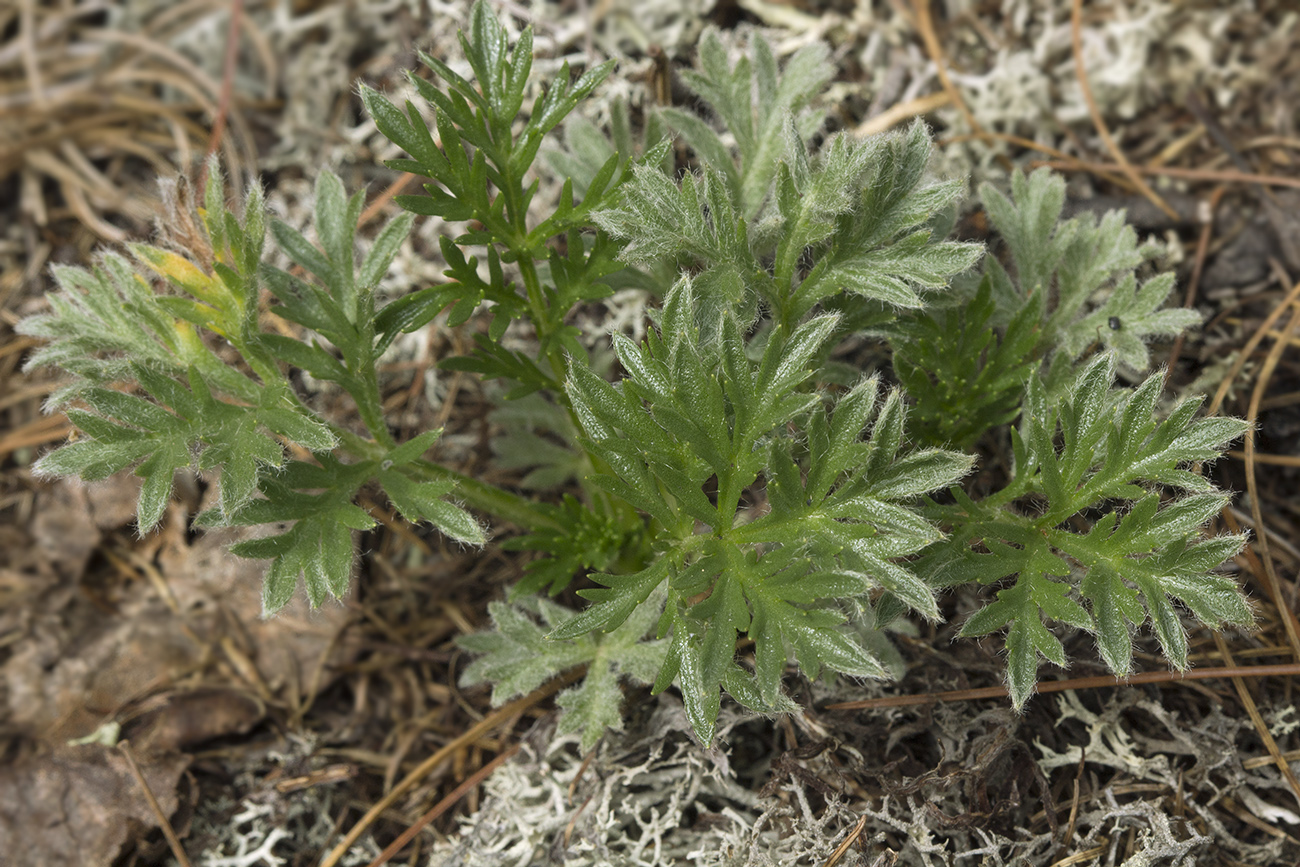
(186, 275)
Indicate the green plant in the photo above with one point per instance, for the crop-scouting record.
(731, 483)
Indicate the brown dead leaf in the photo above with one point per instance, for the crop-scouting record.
(75, 666)
(180, 721)
(63, 529)
(80, 805)
(112, 501)
(197, 612)
(78, 661)
(1283, 210)
(70, 517)
(222, 595)
(23, 573)
(1244, 259)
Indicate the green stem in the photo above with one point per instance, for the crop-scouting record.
(500, 504)
(541, 314)
(533, 288)
(1075, 546)
(486, 498)
(358, 446)
(545, 322)
(768, 528)
(521, 512)
(544, 319)
(370, 408)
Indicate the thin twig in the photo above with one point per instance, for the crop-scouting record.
(49, 429)
(169, 55)
(381, 201)
(1220, 137)
(1081, 857)
(582, 769)
(1248, 701)
(31, 62)
(1194, 283)
(124, 747)
(1272, 460)
(1222, 391)
(848, 841)
(1261, 761)
(923, 22)
(1216, 131)
(1223, 175)
(901, 111)
(921, 9)
(1074, 802)
(227, 82)
(1271, 583)
(482, 727)
(1073, 163)
(443, 806)
(1274, 538)
(1081, 72)
(1282, 670)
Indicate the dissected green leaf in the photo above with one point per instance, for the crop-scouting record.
(1097, 448)
(583, 540)
(751, 98)
(694, 412)
(517, 656)
(965, 379)
(318, 546)
(1077, 260)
